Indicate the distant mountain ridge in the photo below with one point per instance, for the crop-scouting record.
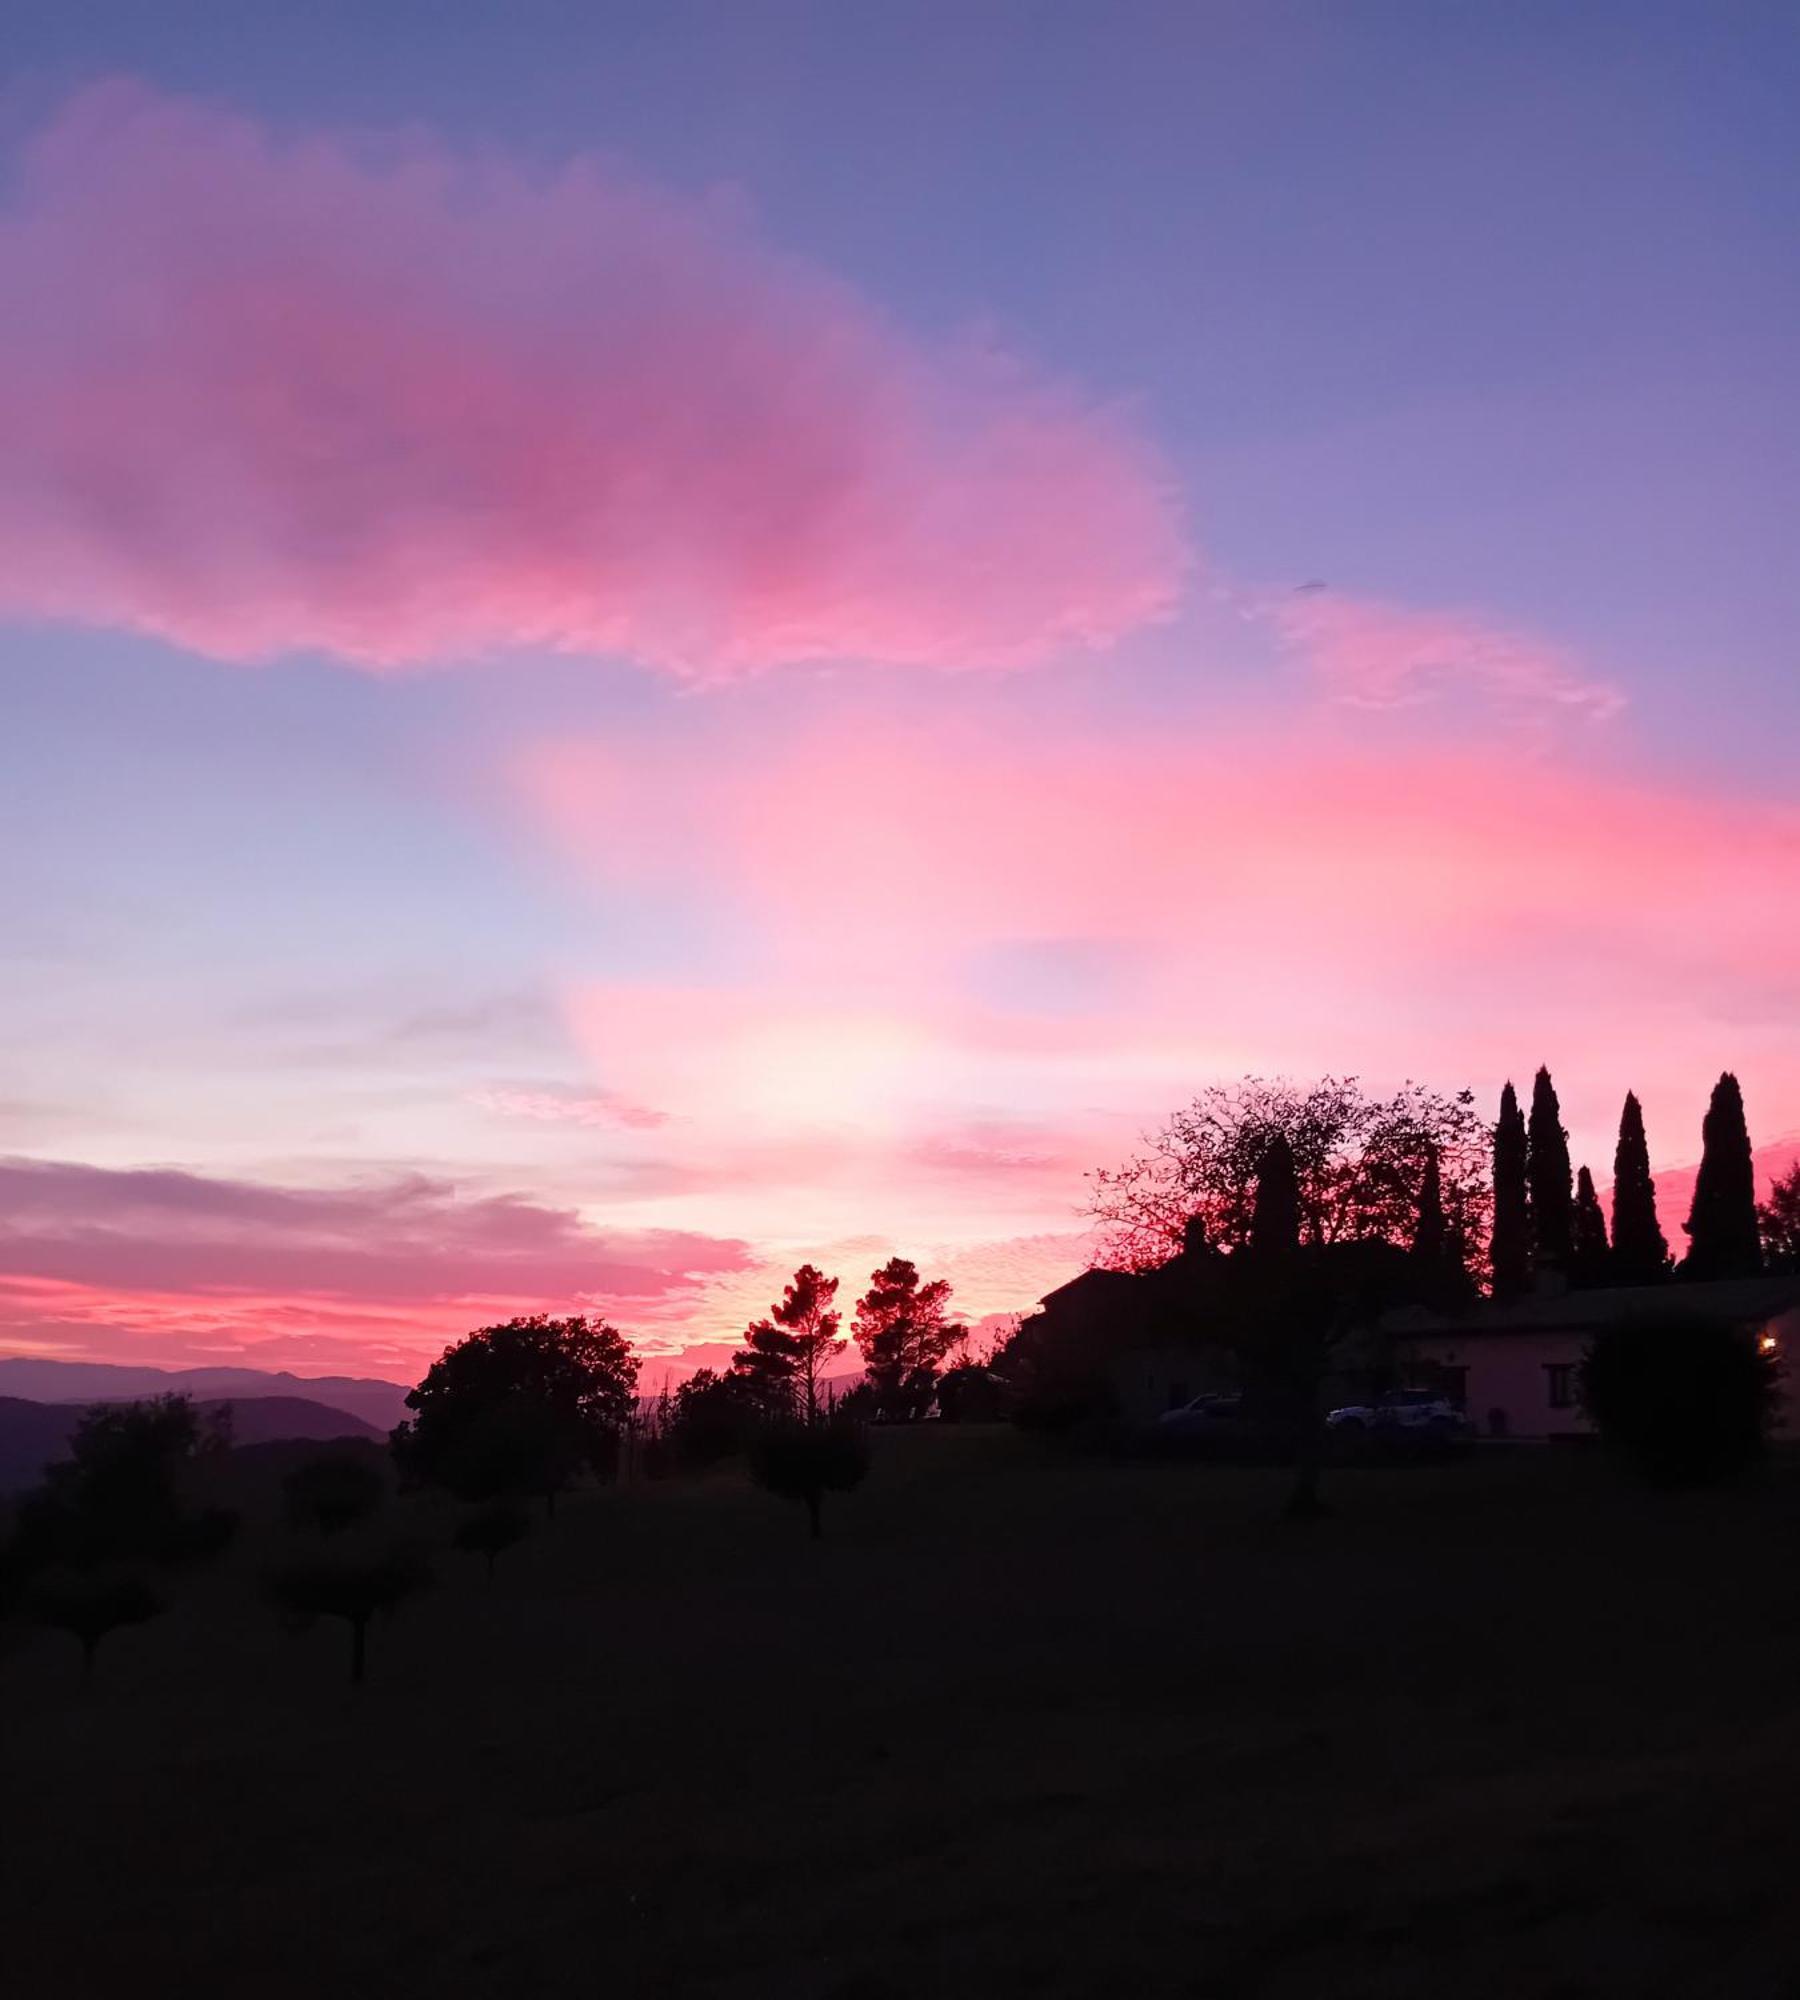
(379, 1404)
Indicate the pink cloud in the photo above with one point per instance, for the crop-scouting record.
(365, 396)
(1387, 656)
(1282, 902)
(393, 1264)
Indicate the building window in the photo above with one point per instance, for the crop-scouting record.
(1559, 1380)
(1456, 1385)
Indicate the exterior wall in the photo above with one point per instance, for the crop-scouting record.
(1510, 1372)
(1146, 1381)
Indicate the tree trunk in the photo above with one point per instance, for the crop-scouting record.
(1303, 1502)
(359, 1648)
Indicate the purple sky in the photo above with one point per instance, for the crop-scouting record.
(645, 641)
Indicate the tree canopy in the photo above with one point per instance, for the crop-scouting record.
(903, 1332)
(783, 1359)
(1590, 1261)
(1723, 1238)
(1359, 1164)
(1779, 1217)
(520, 1408)
(1640, 1251)
(1509, 1249)
(1549, 1180)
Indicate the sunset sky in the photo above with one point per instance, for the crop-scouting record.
(645, 641)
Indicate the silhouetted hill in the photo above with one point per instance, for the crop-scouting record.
(278, 1419)
(33, 1434)
(381, 1404)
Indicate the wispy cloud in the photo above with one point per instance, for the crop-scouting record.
(547, 1104)
(1377, 655)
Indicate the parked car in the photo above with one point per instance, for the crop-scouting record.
(1205, 1416)
(1400, 1410)
(1224, 1426)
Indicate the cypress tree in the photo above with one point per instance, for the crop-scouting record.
(1640, 1249)
(1431, 1233)
(1275, 1218)
(1592, 1260)
(1723, 1241)
(1510, 1249)
(1548, 1176)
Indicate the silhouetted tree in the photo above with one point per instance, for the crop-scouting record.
(763, 1369)
(1509, 1252)
(1359, 1163)
(710, 1417)
(1275, 1215)
(1684, 1398)
(1440, 1260)
(89, 1606)
(520, 1408)
(1779, 1218)
(1591, 1260)
(491, 1530)
(1640, 1251)
(1430, 1228)
(903, 1332)
(350, 1586)
(1291, 1316)
(332, 1492)
(1723, 1239)
(120, 1495)
(804, 1461)
(784, 1356)
(1547, 1173)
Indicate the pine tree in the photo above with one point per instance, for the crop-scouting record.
(765, 1367)
(1509, 1252)
(1548, 1176)
(1640, 1249)
(1275, 1214)
(1591, 1263)
(903, 1333)
(1723, 1241)
(811, 1322)
(782, 1357)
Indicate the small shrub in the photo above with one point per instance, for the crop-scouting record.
(89, 1606)
(1684, 1399)
(804, 1462)
(490, 1531)
(350, 1587)
(332, 1492)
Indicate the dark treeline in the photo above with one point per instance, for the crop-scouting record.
(1504, 1201)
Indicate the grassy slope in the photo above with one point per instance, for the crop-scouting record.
(1017, 1727)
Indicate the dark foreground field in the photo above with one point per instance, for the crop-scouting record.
(1019, 1726)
